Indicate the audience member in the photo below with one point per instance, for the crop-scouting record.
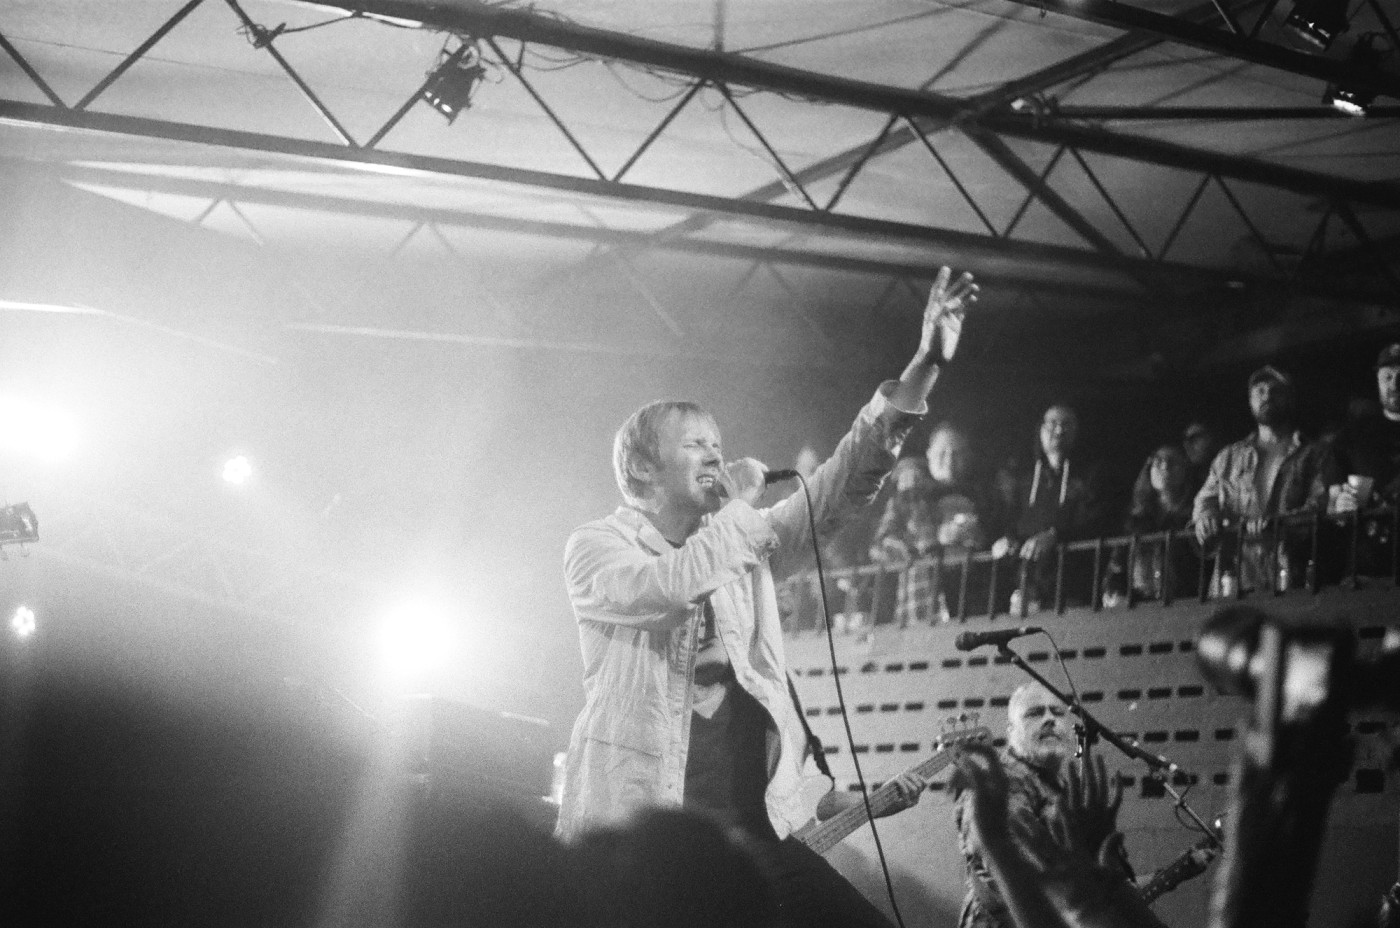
(1271, 472)
(800, 601)
(938, 507)
(962, 504)
(1199, 443)
(1364, 466)
(1161, 501)
(669, 867)
(1389, 914)
(1052, 501)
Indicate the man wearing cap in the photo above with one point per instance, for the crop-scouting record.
(1366, 455)
(1271, 472)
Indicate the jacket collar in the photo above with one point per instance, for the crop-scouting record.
(647, 535)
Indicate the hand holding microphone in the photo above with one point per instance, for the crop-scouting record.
(742, 479)
(746, 479)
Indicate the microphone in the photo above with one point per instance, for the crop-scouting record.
(773, 476)
(1156, 761)
(969, 640)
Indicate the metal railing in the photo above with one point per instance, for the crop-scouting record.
(1300, 552)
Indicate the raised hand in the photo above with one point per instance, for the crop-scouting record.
(948, 300)
(1090, 811)
(938, 338)
(978, 770)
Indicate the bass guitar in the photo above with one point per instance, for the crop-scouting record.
(823, 836)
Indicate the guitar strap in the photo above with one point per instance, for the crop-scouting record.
(814, 744)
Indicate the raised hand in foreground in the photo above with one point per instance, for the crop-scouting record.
(1071, 874)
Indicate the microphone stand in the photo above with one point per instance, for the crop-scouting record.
(1091, 729)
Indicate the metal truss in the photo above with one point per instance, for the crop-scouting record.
(1230, 41)
(1140, 269)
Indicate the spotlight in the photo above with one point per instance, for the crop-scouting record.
(453, 82)
(416, 638)
(1316, 23)
(35, 430)
(22, 622)
(1349, 98)
(238, 470)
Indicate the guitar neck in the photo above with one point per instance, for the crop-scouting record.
(1192, 863)
(823, 836)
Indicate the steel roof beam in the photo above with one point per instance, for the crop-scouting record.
(1139, 148)
(725, 67)
(324, 203)
(897, 137)
(1095, 59)
(972, 245)
(1229, 45)
(799, 219)
(1212, 113)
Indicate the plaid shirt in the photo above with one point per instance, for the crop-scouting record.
(913, 522)
(1229, 493)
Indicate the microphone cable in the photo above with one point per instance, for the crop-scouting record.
(841, 702)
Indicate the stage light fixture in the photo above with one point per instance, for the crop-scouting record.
(453, 82)
(1316, 23)
(22, 623)
(1349, 98)
(238, 470)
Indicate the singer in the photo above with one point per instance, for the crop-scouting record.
(685, 681)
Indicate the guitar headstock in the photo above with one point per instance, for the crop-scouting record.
(962, 729)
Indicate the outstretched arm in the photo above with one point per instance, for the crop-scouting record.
(851, 477)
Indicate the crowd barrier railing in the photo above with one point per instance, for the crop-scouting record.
(1300, 552)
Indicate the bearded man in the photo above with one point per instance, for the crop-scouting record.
(1271, 472)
